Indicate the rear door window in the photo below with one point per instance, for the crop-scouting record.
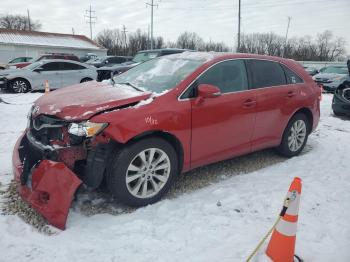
(265, 73)
(53, 66)
(72, 66)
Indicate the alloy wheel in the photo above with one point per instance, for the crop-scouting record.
(148, 173)
(19, 86)
(297, 135)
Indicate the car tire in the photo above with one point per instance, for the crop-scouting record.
(19, 85)
(142, 172)
(336, 113)
(85, 80)
(295, 136)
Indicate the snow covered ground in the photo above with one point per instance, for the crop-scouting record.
(192, 226)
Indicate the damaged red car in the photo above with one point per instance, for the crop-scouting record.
(136, 133)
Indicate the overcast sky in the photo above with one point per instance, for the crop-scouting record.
(211, 19)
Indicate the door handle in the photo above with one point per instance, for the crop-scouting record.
(249, 103)
(291, 94)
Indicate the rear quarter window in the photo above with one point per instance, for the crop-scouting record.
(264, 73)
(292, 77)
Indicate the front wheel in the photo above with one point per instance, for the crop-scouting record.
(19, 86)
(295, 136)
(142, 172)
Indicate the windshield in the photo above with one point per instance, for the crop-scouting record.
(159, 75)
(143, 57)
(95, 59)
(335, 69)
(33, 65)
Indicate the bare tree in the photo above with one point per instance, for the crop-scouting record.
(304, 48)
(19, 22)
(190, 40)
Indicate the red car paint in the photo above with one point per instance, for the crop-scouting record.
(208, 130)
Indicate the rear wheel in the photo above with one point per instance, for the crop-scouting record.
(142, 172)
(295, 136)
(336, 113)
(19, 85)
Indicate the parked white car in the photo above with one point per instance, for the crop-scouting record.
(58, 72)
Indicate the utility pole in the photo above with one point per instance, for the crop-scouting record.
(29, 25)
(124, 32)
(239, 26)
(152, 5)
(91, 19)
(285, 40)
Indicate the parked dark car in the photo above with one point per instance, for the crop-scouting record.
(311, 70)
(108, 60)
(331, 77)
(159, 119)
(104, 73)
(341, 99)
(87, 57)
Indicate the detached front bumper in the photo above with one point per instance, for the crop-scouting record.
(45, 184)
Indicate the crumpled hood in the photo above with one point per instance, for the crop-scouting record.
(82, 101)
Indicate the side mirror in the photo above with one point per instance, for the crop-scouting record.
(208, 91)
(38, 69)
(106, 62)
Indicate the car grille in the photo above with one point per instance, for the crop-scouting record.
(103, 75)
(322, 80)
(46, 128)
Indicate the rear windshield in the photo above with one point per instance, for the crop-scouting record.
(335, 69)
(143, 57)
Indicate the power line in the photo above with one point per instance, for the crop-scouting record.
(91, 19)
(152, 5)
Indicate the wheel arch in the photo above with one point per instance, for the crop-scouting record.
(86, 78)
(308, 113)
(22, 78)
(172, 139)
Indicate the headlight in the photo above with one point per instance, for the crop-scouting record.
(337, 78)
(87, 129)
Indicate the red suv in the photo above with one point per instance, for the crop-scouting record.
(157, 120)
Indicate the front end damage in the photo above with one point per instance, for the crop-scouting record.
(50, 164)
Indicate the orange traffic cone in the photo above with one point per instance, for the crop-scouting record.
(47, 87)
(282, 243)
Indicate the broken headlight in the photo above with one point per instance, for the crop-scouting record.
(87, 129)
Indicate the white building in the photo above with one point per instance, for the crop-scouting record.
(15, 43)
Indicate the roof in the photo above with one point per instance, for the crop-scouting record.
(35, 38)
(164, 49)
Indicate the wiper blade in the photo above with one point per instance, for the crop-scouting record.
(130, 84)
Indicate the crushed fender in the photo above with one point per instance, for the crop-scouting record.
(53, 188)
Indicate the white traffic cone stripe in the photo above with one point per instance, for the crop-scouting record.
(293, 207)
(287, 228)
